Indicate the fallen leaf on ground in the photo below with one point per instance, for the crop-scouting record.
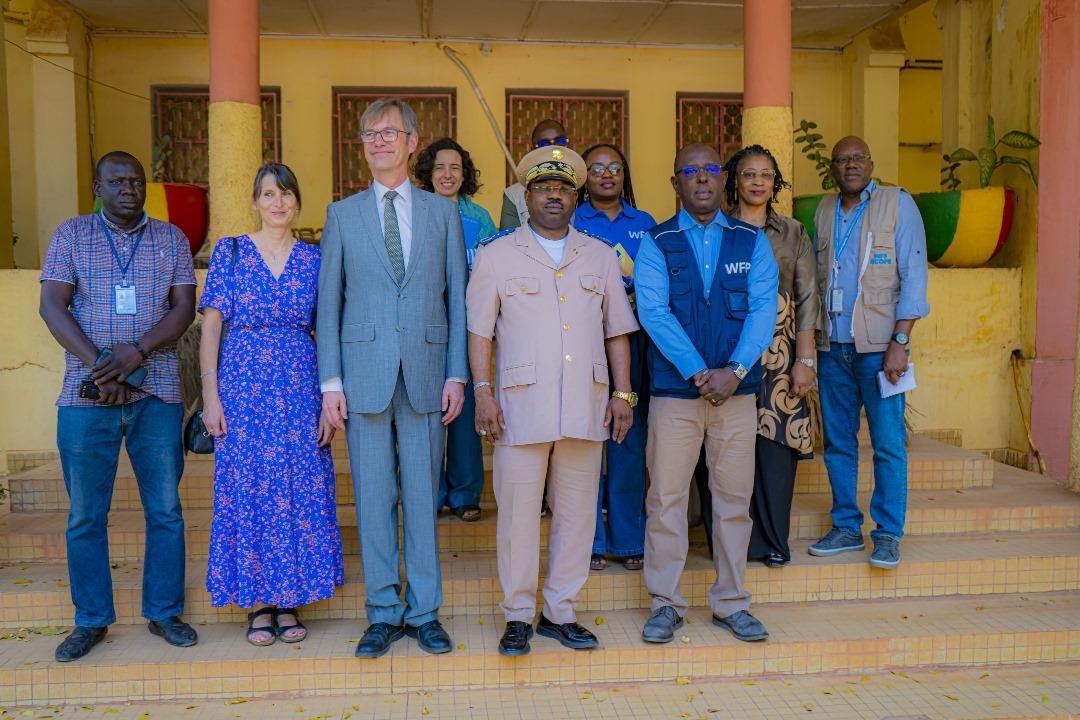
(808, 707)
(460, 647)
(236, 701)
(1040, 682)
(424, 711)
(22, 581)
(984, 676)
(951, 697)
(685, 639)
(479, 621)
(599, 619)
(1045, 698)
(681, 680)
(749, 682)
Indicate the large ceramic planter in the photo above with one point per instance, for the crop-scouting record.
(964, 228)
(181, 204)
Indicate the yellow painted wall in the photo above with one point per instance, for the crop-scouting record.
(920, 102)
(21, 134)
(306, 71)
(969, 334)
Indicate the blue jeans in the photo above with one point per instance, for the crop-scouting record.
(622, 485)
(89, 442)
(848, 381)
(462, 477)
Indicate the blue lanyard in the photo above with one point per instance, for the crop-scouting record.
(116, 255)
(838, 243)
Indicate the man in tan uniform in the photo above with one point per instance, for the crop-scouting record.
(553, 299)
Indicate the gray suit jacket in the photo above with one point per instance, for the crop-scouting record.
(367, 327)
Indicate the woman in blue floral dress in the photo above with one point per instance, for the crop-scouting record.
(274, 539)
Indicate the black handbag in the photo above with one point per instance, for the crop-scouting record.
(196, 437)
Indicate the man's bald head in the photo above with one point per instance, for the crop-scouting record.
(701, 152)
(851, 168)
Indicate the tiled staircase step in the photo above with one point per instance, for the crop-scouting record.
(932, 465)
(855, 637)
(37, 594)
(1019, 501)
(1044, 690)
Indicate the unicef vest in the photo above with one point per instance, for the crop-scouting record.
(713, 324)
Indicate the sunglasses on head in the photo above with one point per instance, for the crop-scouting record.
(558, 140)
(711, 168)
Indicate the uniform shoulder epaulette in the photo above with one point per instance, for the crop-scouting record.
(594, 236)
(489, 238)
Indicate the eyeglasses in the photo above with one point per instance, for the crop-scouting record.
(597, 169)
(752, 175)
(558, 140)
(711, 168)
(548, 189)
(388, 135)
(857, 158)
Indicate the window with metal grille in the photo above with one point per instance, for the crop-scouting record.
(180, 120)
(590, 117)
(713, 119)
(436, 116)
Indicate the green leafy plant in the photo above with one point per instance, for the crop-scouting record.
(987, 157)
(159, 154)
(813, 149)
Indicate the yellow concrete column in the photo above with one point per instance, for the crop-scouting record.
(62, 168)
(875, 62)
(767, 84)
(7, 249)
(235, 118)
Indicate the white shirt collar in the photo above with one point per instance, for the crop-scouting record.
(404, 191)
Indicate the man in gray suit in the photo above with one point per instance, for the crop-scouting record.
(392, 362)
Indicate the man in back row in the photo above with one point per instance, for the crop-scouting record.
(515, 211)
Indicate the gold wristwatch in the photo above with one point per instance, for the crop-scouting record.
(630, 397)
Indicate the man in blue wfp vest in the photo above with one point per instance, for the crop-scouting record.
(706, 294)
(871, 258)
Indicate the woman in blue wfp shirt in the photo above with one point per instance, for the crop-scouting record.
(444, 167)
(606, 208)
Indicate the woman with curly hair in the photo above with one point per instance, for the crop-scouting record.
(444, 167)
(789, 363)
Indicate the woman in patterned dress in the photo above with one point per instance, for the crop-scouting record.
(789, 363)
(274, 539)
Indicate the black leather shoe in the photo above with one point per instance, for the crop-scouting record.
(79, 642)
(175, 631)
(515, 641)
(743, 626)
(378, 638)
(774, 560)
(431, 637)
(570, 634)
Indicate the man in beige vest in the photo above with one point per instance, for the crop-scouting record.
(871, 254)
(553, 299)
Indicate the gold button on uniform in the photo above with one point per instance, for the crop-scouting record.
(562, 298)
(558, 273)
(566, 326)
(521, 288)
(568, 358)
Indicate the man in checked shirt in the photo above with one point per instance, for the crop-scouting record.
(121, 281)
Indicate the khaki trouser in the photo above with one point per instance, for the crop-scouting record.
(677, 427)
(519, 472)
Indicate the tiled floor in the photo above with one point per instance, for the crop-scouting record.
(1039, 692)
(857, 636)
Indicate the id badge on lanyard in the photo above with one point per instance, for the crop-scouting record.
(125, 298)
(123, 292)
(834, 300)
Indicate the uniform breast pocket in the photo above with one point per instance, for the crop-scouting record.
(521, 286)
(738, 304)
(678, 280)
(593, 284)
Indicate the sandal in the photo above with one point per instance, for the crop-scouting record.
(282, 629)
(598, 562)
(270, 629)
(634, 562)
(467, 513)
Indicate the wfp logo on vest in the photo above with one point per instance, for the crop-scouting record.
(636, 234)
(737, 268)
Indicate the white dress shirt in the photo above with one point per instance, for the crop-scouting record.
(403, 208)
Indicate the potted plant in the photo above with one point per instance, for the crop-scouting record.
(966, 228)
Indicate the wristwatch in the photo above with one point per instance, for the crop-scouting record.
(900, 338)
(808, 362)
(738, 368)
(630, 397)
